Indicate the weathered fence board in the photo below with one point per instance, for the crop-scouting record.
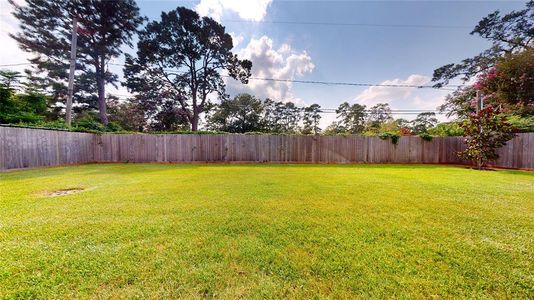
(26, 148)
(23, 148)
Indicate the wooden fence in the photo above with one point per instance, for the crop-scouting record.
(22, 148)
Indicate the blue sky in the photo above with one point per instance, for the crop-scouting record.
(368, 54)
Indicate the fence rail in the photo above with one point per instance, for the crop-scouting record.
(23, 148)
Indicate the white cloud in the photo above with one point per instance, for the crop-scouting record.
(268, 62)
(236, 38)
(404, 98)
(379, 94)
(10, 53)
(254, 10)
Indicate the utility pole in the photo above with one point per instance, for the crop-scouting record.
(68, 117)
(479, 104)
(479, 107)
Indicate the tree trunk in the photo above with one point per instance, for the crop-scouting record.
(101, 87)
(102, 108)
(194, 122)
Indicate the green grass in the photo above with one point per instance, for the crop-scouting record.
(267, 231)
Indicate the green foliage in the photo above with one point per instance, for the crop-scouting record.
(239, 115)
(58, 124)
(169, 117)
(510, 33)
(85, 122)
(390, 126)
(485, 132)
(104, 27)
(21, 108)
(378, 115)
(281, 117)
(511, 83)
(394, 137)
(129, 114)
(458, 103)
(288, 115)
(180, 58)
(311, 119)
(351, 118)
(522, 124)
(447, 129)
(424, 122)
(426, 137)
(10, 79)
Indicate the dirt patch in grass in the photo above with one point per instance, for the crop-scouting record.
(64, 192)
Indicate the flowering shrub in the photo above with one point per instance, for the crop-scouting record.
(510, 83)
(484, 80)
(485, 132)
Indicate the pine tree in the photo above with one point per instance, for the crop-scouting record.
(104, 26)
(311, 119)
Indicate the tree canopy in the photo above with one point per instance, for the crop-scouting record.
(180, 58)
(18, 107)
(311, 118)
(509, 33)
(351, 118)
(105, 26)
(239, 115)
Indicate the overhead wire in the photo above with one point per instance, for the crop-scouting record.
(322, 110)
(331, 83)
(348, 24)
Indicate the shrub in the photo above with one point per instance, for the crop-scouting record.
(485, 131)
(392, 136)
(425, 137)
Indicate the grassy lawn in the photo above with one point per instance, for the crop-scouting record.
(266, 231)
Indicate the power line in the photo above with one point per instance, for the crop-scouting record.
(352, 24)
(331, 83)
(350, 83)
(14, 65)
(447, 88)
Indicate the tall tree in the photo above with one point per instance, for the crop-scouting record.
(510, 84)
(511, 33)
(458, 103)
(180, 58)
(271, 118)
(170, 117)
(379, 114)
(288, 116)
(423, 122)
(241, 114)
(10, 79)
(351, 118)
(128, 114)
(311, 118)
(105, 26)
